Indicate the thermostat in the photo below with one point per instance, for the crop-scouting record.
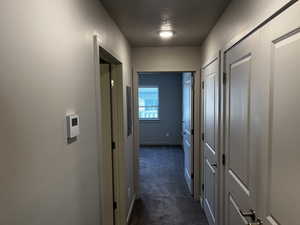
(73, 126)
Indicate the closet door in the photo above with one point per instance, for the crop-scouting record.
(280, 161)
(210, 141)
(241, 164)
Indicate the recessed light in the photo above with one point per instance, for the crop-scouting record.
(166, 34)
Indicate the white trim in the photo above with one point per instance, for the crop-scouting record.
(212, 60)
(196, 124)
(130, 209)
(118, 118)
(96, 42)
(222, 140)
(136, 133)
(196, 96)
(119, 135)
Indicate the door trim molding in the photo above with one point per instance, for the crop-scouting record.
(99, 52)
(130, 211)
(196, 125)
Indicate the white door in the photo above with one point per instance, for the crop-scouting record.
(263, 124)
(280, 164)
(240, 169)
(187, 128)
(210, 137)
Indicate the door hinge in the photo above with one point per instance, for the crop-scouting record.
(202, 187)
(113, 145)
(223, 159)
(192, 176)
(202, 84)
(115, 205)
(202, 136)
(224, 78)
(192, 131)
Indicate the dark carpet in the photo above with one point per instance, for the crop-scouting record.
(165, 199)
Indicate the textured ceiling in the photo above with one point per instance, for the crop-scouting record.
(140, 20)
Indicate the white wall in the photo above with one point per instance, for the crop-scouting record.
(166, 59)
(239, 17)
(47, 70)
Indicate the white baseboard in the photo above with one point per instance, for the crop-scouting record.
(130, 209)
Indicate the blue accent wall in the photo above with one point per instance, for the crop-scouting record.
(166, 130)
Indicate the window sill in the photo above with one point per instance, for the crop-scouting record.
(149, 120)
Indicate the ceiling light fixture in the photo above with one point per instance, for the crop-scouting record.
(166, 34)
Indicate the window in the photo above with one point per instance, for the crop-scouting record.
(148, 103)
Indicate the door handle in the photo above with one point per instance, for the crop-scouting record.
(215, 165)
(258, 222)
(251, 213)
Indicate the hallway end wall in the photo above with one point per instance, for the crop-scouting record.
(47, 71)
(167, 130)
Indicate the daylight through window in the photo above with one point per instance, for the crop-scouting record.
(148, 103)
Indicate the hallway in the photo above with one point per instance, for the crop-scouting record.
(85, 83)
(165, 199)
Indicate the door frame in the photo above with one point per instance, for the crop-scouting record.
(118, 172)
(196, 127)
(220, 150)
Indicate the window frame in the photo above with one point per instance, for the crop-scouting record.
(158, 106)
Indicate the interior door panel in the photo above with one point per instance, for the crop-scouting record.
(281, 186)
(238, 151)
(240, 169)
(263, 125)
(235, 216)
(210, 142)
(187, 127)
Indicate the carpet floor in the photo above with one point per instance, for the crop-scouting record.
(164, 196)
